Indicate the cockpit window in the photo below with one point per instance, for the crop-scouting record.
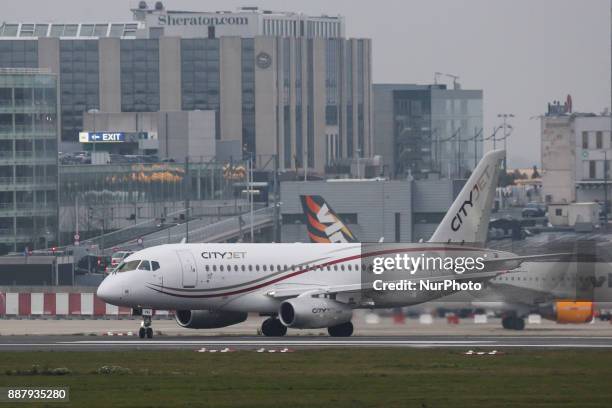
(144, 266)
(128, 266)
(155, 265)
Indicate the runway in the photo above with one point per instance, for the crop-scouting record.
(253, 343)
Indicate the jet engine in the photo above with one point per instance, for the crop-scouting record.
(208, 319)
(313, 313)
(568, 311)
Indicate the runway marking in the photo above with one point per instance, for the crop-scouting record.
(349, 344)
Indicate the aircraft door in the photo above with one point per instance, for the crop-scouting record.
(189, 268)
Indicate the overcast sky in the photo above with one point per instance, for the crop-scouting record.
(522, 53)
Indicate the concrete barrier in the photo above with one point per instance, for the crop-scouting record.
(39, 304)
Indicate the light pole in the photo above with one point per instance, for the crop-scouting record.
(505, 116)
(606, 188)
(93, 112)
(249, 189)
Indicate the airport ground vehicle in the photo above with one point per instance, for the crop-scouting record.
(532, 210)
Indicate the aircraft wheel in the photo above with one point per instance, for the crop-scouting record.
(142, 332)
(518, 323)
(149, 333)
(507, 323)
(272, 327)
(341, 330)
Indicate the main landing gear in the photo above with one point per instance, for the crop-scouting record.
(272, 327)
(145, 327)
(513, 323)
(341, 330)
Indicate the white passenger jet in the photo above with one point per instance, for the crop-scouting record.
(301, 285)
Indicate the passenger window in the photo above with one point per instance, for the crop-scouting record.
(279, 267)
(350, 268)
(242, 268)
(264, 268)
(257, 268)
(144, 266)
(271, 268)
(214, 268)
(250, 268)
(155, 265)
(235, 268)
(206, 268)
(221, 268)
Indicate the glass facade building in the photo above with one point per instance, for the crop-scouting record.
(28, 159)
(140, 75)
(79, 84)
(280, 84)
(428, 129)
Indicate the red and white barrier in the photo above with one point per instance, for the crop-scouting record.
(60, 304)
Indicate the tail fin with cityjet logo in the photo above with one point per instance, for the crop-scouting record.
(467, 220)
(324, 225)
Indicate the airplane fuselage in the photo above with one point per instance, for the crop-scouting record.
(247, 277)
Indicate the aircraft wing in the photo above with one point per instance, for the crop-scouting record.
(508, 264)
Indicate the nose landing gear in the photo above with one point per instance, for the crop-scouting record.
(145, 327)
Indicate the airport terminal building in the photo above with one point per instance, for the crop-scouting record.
(283, 84)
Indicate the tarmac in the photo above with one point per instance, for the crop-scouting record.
(113, 335)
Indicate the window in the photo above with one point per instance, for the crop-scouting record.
(144, 266)
(139, 62)
(206, 268)
(599, 140)
(128, 266)
(585, 140)
(592, 169)
(155, 265)
(558, 212)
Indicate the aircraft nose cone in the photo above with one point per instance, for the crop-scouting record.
(108, 291)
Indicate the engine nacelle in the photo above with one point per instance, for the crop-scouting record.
(208, 319)
(313, 313)
(568, 311)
